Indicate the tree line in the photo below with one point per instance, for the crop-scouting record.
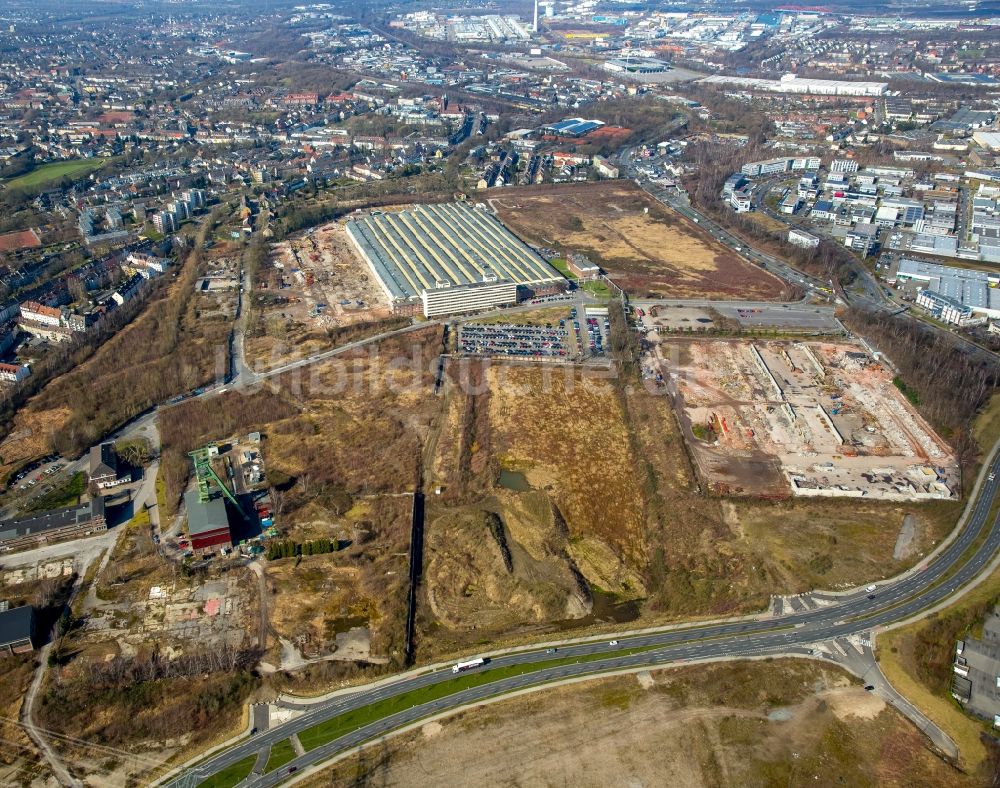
(290, 549)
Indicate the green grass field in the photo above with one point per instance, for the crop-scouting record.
(598, 289)
(560, 265)
(231, 775)
(352, 720)
(65, 495)
(281, 753)
(47, 173)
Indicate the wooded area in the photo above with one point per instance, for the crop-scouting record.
(949, 385)
(150, 696)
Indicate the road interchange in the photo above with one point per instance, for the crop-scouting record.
(956, 564)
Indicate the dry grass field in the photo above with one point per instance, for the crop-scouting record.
(468, 585)
(602, 487)
(754, 724)
(658, 253)
(577, 448)
(361, 585)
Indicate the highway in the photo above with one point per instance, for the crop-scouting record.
(959, 562)
(677, 200)
(869, 294)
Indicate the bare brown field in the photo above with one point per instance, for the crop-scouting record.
(776, 723)
(602, 486)
(362, 585)
(312, 289)
(653, 254)
(469, 585)
(772, 419)
(576, 448)
(347, 464)
(364, 417)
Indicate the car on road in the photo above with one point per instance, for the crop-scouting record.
(550, 651)
(871, 588)
(869, 687)
(613, 643)
(292, 769)
(871, 596)
(991, 477)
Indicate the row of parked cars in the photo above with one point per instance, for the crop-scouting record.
(595, 336)
(513, 340)
(28, 470)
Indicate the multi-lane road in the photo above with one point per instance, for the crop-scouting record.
(932, 584)
(940, 577)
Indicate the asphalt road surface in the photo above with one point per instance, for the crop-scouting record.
(895, 600)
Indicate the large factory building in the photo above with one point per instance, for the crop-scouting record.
(449, 259)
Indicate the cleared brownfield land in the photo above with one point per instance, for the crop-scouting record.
(648, 249)
(780, 723)
(568, 502)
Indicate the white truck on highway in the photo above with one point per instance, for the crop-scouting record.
(461, 667)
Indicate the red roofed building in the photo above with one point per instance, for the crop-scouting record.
(38, 313)
(14, 372)
(300, 99)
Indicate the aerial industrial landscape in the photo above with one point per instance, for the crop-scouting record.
(523, 393)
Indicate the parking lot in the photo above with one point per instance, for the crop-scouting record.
(504, 339)
(568, 339)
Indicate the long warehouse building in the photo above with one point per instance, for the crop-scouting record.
(455, 248)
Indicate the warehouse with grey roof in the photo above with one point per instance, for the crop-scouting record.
(968, 287)
(450, 258)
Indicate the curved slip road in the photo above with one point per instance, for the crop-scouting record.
(896, 600)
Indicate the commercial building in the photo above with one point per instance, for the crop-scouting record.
(741, 200)
(636, 66)
(573, 127)
(790, 204)
(843, 165)
(208, 522)
(17, 629)
(948, 309)
(976, 680)
(976, 290)
(862, 238)
(735, 181)
(435, 248)
(58, 525)
(802, 238)
(754, 169)
(790, 83)
(582, 268)
(448, 300)
(987, 139)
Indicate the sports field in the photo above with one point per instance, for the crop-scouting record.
(48, 173)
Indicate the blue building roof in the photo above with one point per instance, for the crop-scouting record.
(574, 127)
